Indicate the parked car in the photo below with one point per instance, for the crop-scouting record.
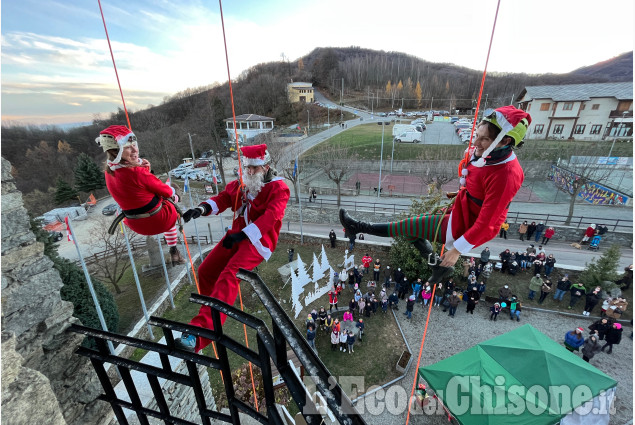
(236, 171)
(110, 209)
(201, 164)
(210, 178)
(56, 236)
(409, 137)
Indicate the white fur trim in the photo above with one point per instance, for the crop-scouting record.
(462, 245)
(213, 205)
(252, 161)
(253, 233)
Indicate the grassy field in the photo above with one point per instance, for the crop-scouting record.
(365, 140)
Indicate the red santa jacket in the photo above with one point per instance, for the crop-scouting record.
(135, 187)
(261, 219)
(366, 260)
(493, 187)
(549, 233)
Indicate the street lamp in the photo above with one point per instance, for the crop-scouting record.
(381, 155)
(619, 128)
(308, 121)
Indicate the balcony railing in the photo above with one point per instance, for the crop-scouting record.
(619, 114)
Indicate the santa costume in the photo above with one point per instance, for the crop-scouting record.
(252, 238)
(488, 185)
(146, 202)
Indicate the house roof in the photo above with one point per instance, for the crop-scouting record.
(578, 92)
(300, 84)
(250, 117)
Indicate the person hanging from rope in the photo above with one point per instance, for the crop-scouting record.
(148, 204)
(258, 207)
(489, 182)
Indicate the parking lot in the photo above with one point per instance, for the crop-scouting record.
(440, 133)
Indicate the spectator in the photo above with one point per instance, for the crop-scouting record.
(343, 340)
(471, 279)
(539, 229)
(522, 259)
(485, 254)
(361, 304)
(544, 290)
(376, 270)
(410, 306)
(591, 348)
(309, 321)
(351, 240)
(416, 288)
(577, 291)
(329, 323)
(550, 262)
(531, 229)
(387, 277)
(515, 308)
(601, 327)
(627, 279)
(613, 337)
(366, 260)
(449, 286)
(542, 251)
(438, 294)
(351, 278)
(426, 294)
(562, 288)
(531, 249)
(481, 288)
(472, 299)
(522, 230)
(548, 235)
(343, 277)
(513, 265)
(393, 301)
(358, 295)
(322, 315)
(592, 300)
(573, 340)
(398, 275)
(495, 310)
(504, 293)
(350, 340)
(332, 238)
(602, 229)
(332, 300)
(487, 272)
(360, 325)
(290, 253)
(310, 336)
(534, 286)
(454, 301)
(352, 305)
(335, 339)
(358, 275)
(403, 288)
(588, 234)
(504, 257)
(348, 317)
(504, 229)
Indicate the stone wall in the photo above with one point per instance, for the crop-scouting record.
(36, 319)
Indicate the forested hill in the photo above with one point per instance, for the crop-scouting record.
(42, 156)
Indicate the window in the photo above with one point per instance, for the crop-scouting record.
(595, 106)
(568, 106)
(596, 128)
(539, 128)
(579, 129)
(545, 106)
(557, 129)
(582, 106)
(528, 107)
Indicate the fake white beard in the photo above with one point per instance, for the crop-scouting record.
(254, 182)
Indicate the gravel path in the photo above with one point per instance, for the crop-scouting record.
(447, 336)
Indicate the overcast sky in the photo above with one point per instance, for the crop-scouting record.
(56, 67)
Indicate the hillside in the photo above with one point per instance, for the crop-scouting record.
(619, 68)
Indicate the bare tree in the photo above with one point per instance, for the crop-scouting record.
(112, 268)
(439, 173)
(337, 163)
(576, 176)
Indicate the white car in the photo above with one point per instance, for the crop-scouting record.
(409, 137)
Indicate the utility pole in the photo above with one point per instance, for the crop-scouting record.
(308, 121)
(342, 92)
(381, 157)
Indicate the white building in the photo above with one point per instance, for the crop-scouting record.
(249, 126)
(598, 111)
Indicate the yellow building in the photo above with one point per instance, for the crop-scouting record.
(300, 92)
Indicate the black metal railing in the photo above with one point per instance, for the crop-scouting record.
(272, 347)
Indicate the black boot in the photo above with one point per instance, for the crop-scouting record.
(439, 274)
(354, 227)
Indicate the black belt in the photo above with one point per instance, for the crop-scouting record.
(144, 209)
(477, 201)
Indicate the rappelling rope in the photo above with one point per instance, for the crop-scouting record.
(462, 165)
(242, 184)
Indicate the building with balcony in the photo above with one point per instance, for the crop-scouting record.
(249, 126)
(300, 92)
(594, 112)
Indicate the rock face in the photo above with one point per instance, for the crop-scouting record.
(39, 359)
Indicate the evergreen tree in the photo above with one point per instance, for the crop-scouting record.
(404, 255)
(75, 289)
(603, 271)
(88, 176)
(64, 192)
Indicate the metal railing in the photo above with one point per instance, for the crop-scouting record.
(272, 347)
(578, 222)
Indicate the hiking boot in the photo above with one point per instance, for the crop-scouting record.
(186, 342)
(176, 256)
(353, 227)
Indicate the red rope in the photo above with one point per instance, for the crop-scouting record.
(240, 178)
(466, 158)
(114, 64)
